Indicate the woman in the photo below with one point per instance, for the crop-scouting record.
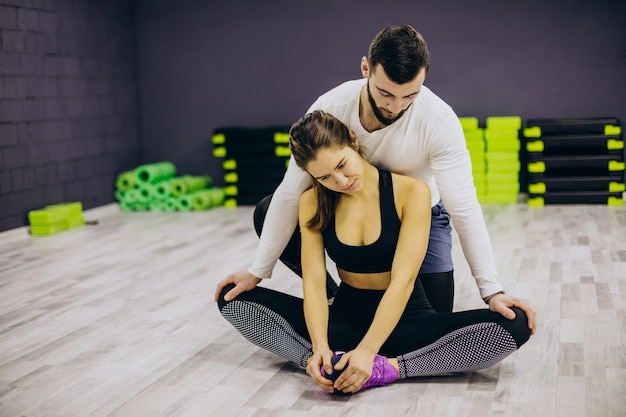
(380, 327)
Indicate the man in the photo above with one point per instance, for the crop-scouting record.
(403, 127)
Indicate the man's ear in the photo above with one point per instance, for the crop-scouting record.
(365, 67)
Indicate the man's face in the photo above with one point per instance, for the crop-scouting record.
(389, 100)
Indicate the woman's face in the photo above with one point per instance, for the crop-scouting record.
(338, 168)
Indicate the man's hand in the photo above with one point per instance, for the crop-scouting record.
(502, 303)
(243, 280)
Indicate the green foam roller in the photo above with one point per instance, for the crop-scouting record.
(119, 195)
(178, 186)
(163, 189)
(185, 203)
(201, 200)
(171, 204)
(125, 206)
(132, 196)
(153, 173)
(218, 196)
(188, 184)
(157, 204)
(126, 180)
(145, 193)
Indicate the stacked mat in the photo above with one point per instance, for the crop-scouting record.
(155, 187)
(475, 139)
(502, 146)
(254, 161)
(56, 218)
(575, 161)
(494, 152)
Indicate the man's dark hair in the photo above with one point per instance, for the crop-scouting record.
(402, 52)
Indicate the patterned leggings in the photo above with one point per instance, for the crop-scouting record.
(424, 342)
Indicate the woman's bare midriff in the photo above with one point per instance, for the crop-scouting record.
(375, 281)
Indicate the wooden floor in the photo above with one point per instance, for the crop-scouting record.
(118, 319)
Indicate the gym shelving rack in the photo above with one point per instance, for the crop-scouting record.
(574, 161)
(254, 161)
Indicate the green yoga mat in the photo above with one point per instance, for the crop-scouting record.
(163, 189)
(146, 193)
(187, 184)
(205, 199)
(201, 200)
(126, 181)
(154, 173)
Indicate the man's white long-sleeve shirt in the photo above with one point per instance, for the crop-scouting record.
(427, 142)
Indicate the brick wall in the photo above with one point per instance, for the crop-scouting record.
(68, 103)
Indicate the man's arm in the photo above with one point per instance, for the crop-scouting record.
(280, 220)
(280, 223)
(453, 172)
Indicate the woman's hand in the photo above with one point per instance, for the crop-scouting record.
(313, 366)
(359, 364)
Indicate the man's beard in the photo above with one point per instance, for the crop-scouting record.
(379, 115)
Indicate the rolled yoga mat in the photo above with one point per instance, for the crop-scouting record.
(147, 193)
(205, 199)
(186, 184)
(154, 173)
(163, 189)
(126, 181)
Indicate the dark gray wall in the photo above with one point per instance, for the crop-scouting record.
(68, 103)
(70, 120)
(206, 64)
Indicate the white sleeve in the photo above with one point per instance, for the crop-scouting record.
(280, 221)
(453, 172)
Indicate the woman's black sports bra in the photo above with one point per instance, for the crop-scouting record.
(377, 256)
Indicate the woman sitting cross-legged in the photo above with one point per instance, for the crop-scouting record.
(374, 225)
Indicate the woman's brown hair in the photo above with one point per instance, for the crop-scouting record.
(314, 131)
